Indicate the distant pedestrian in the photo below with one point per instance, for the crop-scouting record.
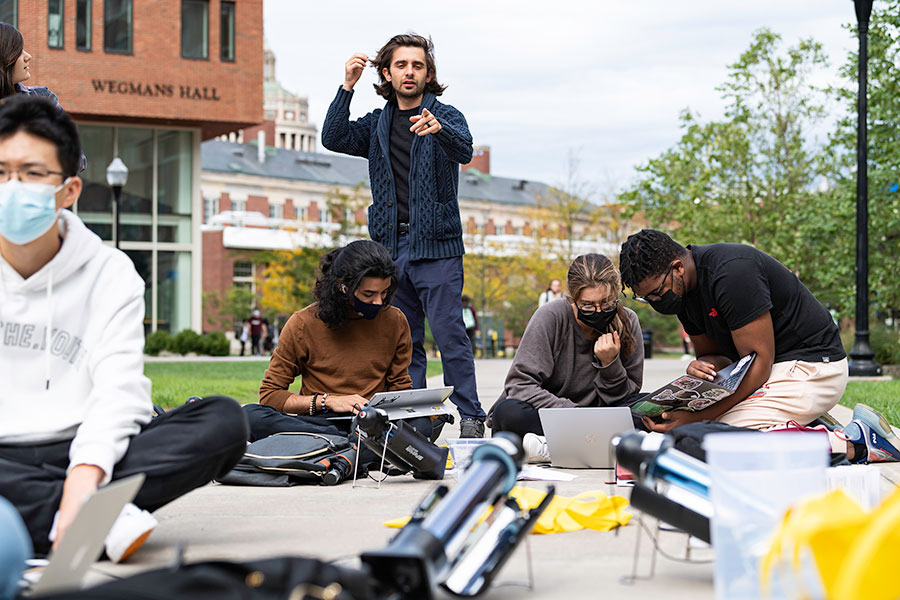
(244, 335)
(470, 320)
(415, 146)
(258, 329)
(553, 292)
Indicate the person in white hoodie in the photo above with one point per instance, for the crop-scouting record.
(75, 407)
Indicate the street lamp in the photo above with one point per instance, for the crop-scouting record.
(116, 176)
(861, 356)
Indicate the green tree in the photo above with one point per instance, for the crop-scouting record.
(883, 161)
(344, 206)
(288, 279)
(753, 176)
(221, 312)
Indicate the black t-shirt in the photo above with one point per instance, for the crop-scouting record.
(738, 283)
(401, 149)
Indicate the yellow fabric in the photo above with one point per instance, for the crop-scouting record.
(588, 510)
(854, 552)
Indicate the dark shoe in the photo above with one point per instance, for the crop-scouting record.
(471, 428)
(437, 425)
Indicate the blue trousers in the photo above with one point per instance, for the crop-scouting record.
(433, 289)
(15, 549)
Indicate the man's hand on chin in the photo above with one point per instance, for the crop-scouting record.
(81, 482)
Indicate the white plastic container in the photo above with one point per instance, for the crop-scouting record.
(861, 482)
(461, 451)
(754, 478)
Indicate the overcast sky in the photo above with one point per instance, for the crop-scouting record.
(538, 79)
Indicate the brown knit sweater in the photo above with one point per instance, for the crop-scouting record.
(360, 357)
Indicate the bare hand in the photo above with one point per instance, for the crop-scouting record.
(425, 123)
(353, 69)
(675, 418)
(351, 403)
(702, 369)
(606, 348)
(81, 482)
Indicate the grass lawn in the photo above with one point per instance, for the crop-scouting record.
(174, 383)
(883, 396)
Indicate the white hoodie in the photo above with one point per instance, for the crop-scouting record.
(88, 383)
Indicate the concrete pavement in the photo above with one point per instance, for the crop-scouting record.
(337, 523)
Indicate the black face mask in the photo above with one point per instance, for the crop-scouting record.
(597, 320)
(368, 311)
(669, 304)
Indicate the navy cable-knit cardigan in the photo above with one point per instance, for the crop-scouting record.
(435, 229)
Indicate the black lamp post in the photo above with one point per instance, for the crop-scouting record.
(116, 177)
(861, 356)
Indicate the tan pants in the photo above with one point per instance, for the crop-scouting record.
(795, 391)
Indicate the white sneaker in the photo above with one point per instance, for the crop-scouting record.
(535, 448)
(129, 532)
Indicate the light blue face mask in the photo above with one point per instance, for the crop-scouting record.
(27, 210)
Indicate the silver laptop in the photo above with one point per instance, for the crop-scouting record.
(403, 404)
(84, 540)
(578, 438)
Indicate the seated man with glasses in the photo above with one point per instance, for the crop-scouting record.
(75, 407)
(582, 350)
(732, 300)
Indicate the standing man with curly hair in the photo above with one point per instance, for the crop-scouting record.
(414, 146)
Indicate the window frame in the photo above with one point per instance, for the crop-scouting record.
(62, 24)
(232, 37)
(108, 49)
(89, 25)
(204, 3)
(15, 14)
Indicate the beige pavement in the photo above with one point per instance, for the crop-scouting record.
(337, 523)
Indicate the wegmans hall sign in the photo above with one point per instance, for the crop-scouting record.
(154, 90)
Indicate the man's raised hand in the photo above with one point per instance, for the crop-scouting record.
(425, 123)
(353, 70)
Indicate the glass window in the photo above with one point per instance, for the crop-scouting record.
(276, 211)
(210, 209)
(143, 264)
(95, 202)
(174, 187)
(226, 36)
(136, 151)
(243, 269)
(173, 291)
(83, 24)
(9, 12)
(238, 205)
(117, 26)
(195, 28)
(55, 23)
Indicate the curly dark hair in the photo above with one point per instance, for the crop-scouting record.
(348, 266)
(384, 57)
(647, 253)
(595, 270)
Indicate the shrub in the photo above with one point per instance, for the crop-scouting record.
(216, 344)
(186, 341)
(158, 341)
(886, 344)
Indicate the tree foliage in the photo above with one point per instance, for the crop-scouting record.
(288, 279)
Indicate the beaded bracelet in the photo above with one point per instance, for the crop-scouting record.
(312, 405)
(324, 408)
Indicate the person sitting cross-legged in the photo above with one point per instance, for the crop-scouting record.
(347, 346)
(75, 406)
(582, 350)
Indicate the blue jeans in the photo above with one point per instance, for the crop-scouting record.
(433, 289)
(15, 549)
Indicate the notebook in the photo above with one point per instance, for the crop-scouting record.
(403, 404)
(692, 393)
(84, 540)
(579, 438)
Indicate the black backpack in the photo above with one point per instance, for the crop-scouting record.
(291, 458)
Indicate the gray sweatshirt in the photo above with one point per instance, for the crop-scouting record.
(555, 366)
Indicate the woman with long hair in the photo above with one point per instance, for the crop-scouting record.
(587, 351)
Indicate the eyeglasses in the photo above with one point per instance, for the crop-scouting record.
(654, 295)
(591, 308)
(27, 174)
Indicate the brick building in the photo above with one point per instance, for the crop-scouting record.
(149, 81)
